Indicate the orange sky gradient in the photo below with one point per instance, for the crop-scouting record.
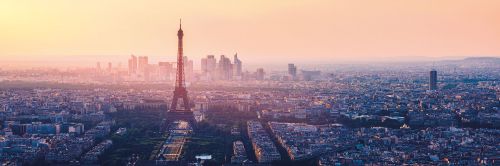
(82, 32)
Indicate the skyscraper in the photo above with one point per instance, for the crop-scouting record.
(204, 66)
(208, 67)
(237, 65)
(225, 68)
(142, 64)
(433, 80)
(260, 74)
(292, 70)
(132, 64)
(143, 67)
(165, 68)
(188, 68)
(211, 63)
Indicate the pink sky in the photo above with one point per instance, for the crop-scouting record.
(82, 32)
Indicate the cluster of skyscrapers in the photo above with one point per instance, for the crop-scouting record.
(139, 69)
(138, 65)
(108, 69)
(224, 70)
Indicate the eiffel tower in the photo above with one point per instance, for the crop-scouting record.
(175, 112)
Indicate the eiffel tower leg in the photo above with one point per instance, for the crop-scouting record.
(186, 102)
(174, 102)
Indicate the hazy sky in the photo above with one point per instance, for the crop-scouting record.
(80, 32)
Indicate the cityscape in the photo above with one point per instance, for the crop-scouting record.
(227, 108)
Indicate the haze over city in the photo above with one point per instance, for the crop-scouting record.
(63, 33)
(249, 82)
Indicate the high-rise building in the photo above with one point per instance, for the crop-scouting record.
(292, 70)
(225, 68)
(208, 67)
(211, 63)
(204, 66)
(132, 64)
(188, 68)
(164, 70)
(310, 75)
(143, 63)
(143, 67)
(433, 80)
(237, 66)
(260, 74)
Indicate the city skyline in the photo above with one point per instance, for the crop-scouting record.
(230, 96)
(63, 34)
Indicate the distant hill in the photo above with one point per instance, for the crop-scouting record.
(489, 59)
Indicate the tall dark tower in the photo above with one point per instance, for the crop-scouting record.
(433, 80)
(180, 86)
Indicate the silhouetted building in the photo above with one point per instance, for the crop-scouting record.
(208, 67)
(237, 66)
(260, 74)
(132, 64)
(188, 68)
(211, 63)
(310, 75)
(165, 69)
(292, 70)
(204, 69)
(142, 63)
(225, 68)
(433, 80)
(143, 67)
